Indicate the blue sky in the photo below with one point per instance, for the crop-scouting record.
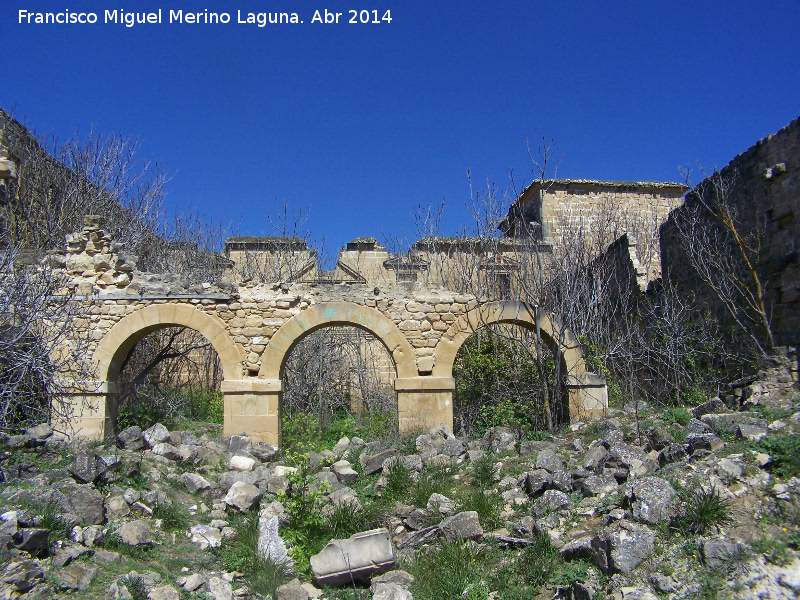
(363, 122)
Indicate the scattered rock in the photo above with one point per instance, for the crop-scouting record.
(195, 483)
(22, 575)
(622, 546)
(462, 526)
(87, 467)
(270, 543)
(650, 499)
(135, 533)
(242, 496)
(157, 434)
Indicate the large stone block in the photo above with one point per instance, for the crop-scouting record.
(359, 557)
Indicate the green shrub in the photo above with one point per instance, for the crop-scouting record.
(135, 586)
(434, 479)
(785, 454)
(450, 570)
(678, 415)
(702, 509)
(483, 472)
(398, 481)
(174, 516)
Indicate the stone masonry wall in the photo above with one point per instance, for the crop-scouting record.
(768, 186)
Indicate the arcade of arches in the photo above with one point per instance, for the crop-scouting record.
(254, 328)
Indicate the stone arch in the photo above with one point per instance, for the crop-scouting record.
(337, 313)
(90, 415)
(124, 335)
(586, 393)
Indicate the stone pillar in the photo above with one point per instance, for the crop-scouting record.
(252, 407)
(424, 402)
(85, 413)
(588, 396)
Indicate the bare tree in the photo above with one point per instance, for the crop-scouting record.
(722, 239)
(40, 332)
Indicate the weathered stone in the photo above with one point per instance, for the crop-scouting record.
(116, 508)
(33, 540)
(157, 434)
(291, 591)
(344, 472)
(697, 427)
(219, 589)
(752, 432)
(164, 592)
(549, 461)
(650, 499)
(359, 557)
(397, 577)
(241, 463)
(205, 536)
(270, 544)
(263, 451)
(706, 441)
(672, 453)
(550, 501)
(391, 591)
(441, 504)
(462, 526)
(87, 467)
(22, 575)
(454, 447)
(580, 548)
(374, 463)
(536, 481)
(76, 576)
(168, 451)
(195, 483)
(598, 484)
(87, 504)
(131, 438)
(501, 439)
(135, 533)
(622, 546)
(720, 552)
(715, 405)
(42, 431)
(242, 496)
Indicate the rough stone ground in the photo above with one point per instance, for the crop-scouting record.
(97, 521)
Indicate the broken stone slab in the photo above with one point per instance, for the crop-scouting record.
(462, 526)
(622, 546)
(549, 461)
(168, 451)
(270, 544)
(359, 557)
(374, 463)
(751, 432)
(195, 483)
(440, 503)
(550, 501)
(241, 463)
(344, 472)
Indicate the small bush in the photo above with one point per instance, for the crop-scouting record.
(173, 516)
(483, 472)
(135, 586)
(398, 481)
(702, 510)
(434, 479)
(678, 415)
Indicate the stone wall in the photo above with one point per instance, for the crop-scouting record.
(766, 190)
(598, 212)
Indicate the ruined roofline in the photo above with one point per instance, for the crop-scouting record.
(627, 185)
